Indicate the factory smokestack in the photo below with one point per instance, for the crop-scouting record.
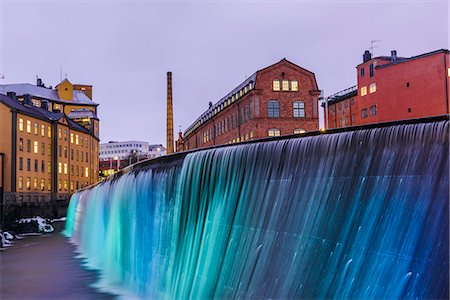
(169, 133)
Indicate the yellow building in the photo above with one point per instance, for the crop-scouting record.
(49, 138)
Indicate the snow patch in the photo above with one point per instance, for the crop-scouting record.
(43, 225)
(63, 219)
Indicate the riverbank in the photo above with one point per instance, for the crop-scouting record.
(44, 267)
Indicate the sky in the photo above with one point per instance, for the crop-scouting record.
(125, 48)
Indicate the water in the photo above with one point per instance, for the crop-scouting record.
(361, 214)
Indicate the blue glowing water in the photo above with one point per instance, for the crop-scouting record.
(361, 214)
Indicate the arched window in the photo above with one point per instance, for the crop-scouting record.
(274, 132)
(299, 109)
(273, 109)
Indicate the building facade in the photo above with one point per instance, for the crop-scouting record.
(116, 155)
(278, 100)
(391, 88)
(48, 154)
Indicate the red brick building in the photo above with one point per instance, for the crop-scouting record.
(393, 88)
(278, 100)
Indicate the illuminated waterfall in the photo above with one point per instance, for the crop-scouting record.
(358, 214)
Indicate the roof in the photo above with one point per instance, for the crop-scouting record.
(342, 95)
(81, 114)
(40, 113)
(46, 93)
(406, 59)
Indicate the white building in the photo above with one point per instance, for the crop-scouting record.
(121, 150)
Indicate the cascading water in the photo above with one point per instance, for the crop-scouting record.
(360, 214)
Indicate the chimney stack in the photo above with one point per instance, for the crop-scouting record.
(367, 56)
(169, 133)
(393, 56)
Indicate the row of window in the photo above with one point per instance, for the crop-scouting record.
(35, 146)
(373, 112)
(36, 128)
(372, 89)
(371, 71)
(36, 165)
(231, 99)
(62, 168)
(273, 109)
(62, 184)
(285, 85)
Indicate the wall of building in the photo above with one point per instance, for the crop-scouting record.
(5, 143)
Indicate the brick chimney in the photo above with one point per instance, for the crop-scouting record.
(169, 127)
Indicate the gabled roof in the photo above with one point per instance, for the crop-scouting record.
(65, 80)
(45, 93)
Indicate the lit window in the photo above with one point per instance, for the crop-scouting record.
(298, 131)
(65, 168)
(86, 172)
(59, 185)
(276, 85)
(448, 72)
(49, 184)
(285, 85)
(35, 183)
(273, 109)
(250, 85)
(20, 182)
(49, 167)
(76, 139)
(71, 138)
(59, 168)
(274, 132)
(20, 124)
(42, 184)
(36, 128)
(28, 126)
(372, 87)
(49, 131)
(251, 134)
(363, 91)
(364, 113)
(294, 85)
(36, 147)
(28, 183)
(43, 130)
(59, 133)
(299, 109)
(65, 184)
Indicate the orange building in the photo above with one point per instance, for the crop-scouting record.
(391, 88)
(49, 138)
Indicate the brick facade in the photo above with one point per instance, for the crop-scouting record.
(391, 88)
(244, 113)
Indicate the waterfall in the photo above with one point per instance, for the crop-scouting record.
(358, 214)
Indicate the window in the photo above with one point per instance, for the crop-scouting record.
(65, 168)
(36, 147)
(273, 109)
(364, 113)
(71, 185)
(76, 139)
(294, 85)
(59, 133)
(346, 121)
(65, 134)
(49, 167)
(28, 164)
(20, 182)
(59, 185)
(36, 165)
(276, 85)
(20, 124)
(363, 91)
(49, 131)
(36, 128)
(49, 184)
(361, 71)
(42, 184)
(372, 87)
(86, 172)
(42, 130)
(43, 148)
(71, 138)
(65, 184)
(299, 109)
(43, 166)
(21, 163)
(49, 149)
(59, 168)
(28, 145)
(299, 130)
(60, 151)
(57, 107)
(285, 84)
(353, 118)
(28, 183)
(20, 144)
(35, 183)
(28, 126)
(373, 110)
(371, 70)
(65, 152)
(274, 132)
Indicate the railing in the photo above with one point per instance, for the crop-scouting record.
(342, 93)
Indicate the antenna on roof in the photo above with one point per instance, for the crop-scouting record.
(372, 43)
